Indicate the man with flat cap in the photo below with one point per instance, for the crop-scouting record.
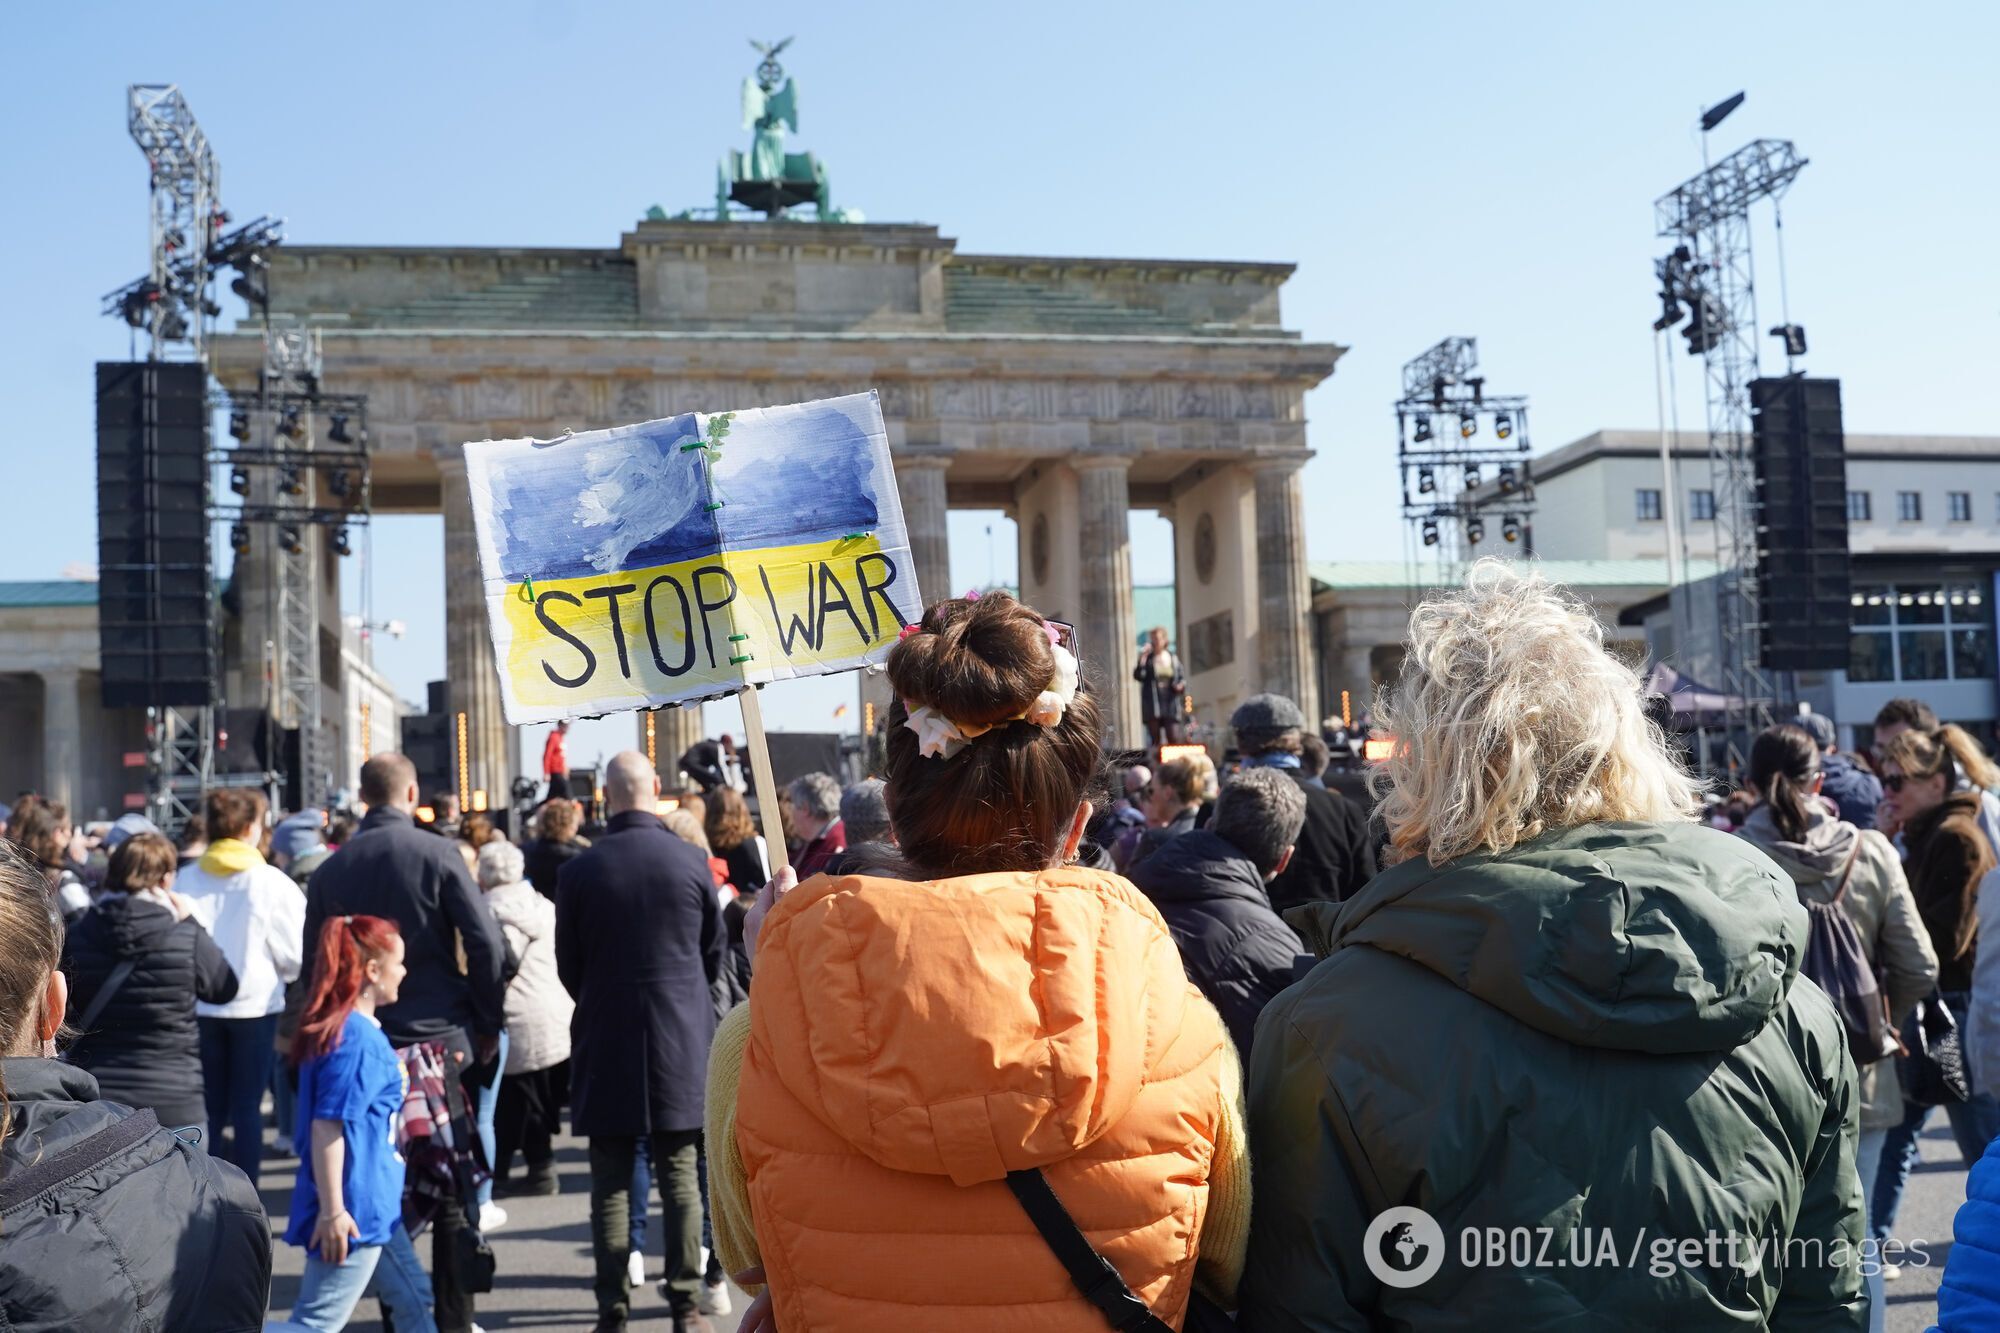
(1334, 855)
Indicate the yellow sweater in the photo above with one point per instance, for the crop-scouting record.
(1225, 1231)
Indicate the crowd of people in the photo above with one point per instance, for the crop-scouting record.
(1025, 1034)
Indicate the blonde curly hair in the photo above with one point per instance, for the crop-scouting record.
(1511, 720)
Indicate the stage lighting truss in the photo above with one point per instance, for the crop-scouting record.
(174, 303)
(1455, 477)
(312, 476)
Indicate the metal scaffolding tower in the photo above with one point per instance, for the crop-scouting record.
(302, 487)
(1463, 455)
(1712, 274)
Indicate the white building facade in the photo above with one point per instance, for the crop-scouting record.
(1923, 531)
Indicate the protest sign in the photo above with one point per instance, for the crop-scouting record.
(687, 558)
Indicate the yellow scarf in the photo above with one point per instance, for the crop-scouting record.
(230, 856)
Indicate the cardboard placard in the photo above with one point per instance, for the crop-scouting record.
(691, 557)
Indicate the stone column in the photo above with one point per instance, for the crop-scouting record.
(1284, 589)
(473, 679)
(674, 730)
(62, 737)
(1106, 630)
(921, 481)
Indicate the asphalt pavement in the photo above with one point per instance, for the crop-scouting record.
(544, 1260)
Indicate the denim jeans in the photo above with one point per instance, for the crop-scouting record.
(611, 1165)
(328, 1292)
(642, 1193)
(236, 1060)
(1867, 1161)
(489, 1100)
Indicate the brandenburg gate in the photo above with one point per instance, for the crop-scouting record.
(1062, 391)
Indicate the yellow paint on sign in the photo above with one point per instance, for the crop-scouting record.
(674, 629)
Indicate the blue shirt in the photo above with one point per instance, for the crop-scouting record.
(360, 1083)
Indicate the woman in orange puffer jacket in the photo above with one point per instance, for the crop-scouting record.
(982, 1007)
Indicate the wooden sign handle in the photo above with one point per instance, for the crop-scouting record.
(767, 786)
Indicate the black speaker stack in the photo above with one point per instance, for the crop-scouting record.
(1803, 568)
(156, 637)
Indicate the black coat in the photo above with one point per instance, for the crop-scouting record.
(161, 1227)
(544, 860)
(1334, 855)
(640, 944)
(391, 868)
(142, 1048)
(1235, 948)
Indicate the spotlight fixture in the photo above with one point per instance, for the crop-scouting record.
(1427, 481)
(1430, 532)
(289, 424)
(1472, 476)
(1475, 530)
(1510, 479)
(291, 480)
(340, 483)
(1423, 430)
(248, 283)
(1510, 529)
(239, 538)
(239, 425)
(337, 430)
(239, 481)
(137, 306)
(288, 538)
(173, 325)
(1468, 425)
(341, 546)
(252, 291)
(1503, 425)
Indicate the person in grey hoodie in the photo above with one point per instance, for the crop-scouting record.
(1830, 860)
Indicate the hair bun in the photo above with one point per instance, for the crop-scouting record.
(978, 660)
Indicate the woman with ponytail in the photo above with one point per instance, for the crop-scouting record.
(1830, 860)
(347, 1207)
(975, 1026)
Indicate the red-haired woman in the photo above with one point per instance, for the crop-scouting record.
(347, 1207)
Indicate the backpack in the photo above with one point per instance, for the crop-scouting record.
(1838, 963)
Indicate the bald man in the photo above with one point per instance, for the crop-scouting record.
(391, 868)
(640, 944)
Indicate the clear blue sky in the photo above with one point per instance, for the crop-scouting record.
(1435, 169)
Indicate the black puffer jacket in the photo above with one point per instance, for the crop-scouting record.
(142, 1048)
(158, 1236)
(1235, 948)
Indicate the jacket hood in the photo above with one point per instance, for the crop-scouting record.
(1658, 938)
(134, 925)
(1811, 859)
(1196, 866)
(967, 1027)
(230, 856)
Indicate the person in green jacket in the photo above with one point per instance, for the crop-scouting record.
(1557, 1068)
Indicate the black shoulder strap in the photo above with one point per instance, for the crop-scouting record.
(1090, 1271)
(24, 1183)
(98, 1002)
